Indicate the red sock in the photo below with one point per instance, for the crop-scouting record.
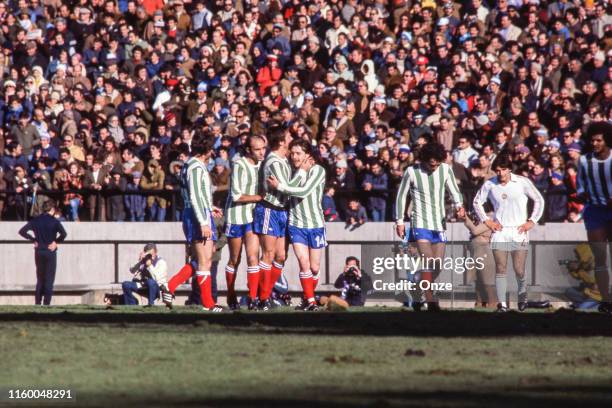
(180, 278)
(315, 281)
(264, 280)
(426, 276)
(306, 281)
(204, 280)
(253, 280)
(230, 278)
(275, 273)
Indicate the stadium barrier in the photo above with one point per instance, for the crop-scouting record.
(96, 257)
(175, 202)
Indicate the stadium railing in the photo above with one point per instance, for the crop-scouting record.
(174, 198)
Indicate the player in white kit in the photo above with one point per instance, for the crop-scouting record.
(509, 194)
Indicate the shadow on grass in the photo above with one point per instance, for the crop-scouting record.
(369, 323)
(558, 396)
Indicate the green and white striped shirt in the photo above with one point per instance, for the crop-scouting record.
(279, 167)
(196, 189)
(306, 197)
(243, 182)
(427, 196)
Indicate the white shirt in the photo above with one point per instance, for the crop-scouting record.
(509, 201)
(465, 156)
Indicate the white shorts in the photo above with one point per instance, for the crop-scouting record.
(510, 239)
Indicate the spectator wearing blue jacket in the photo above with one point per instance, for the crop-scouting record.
(329, 206)
(135, 204)
(376, 183)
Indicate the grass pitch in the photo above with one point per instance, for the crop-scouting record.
(367, 357)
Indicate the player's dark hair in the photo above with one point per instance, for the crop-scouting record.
(432, 150)
(276, 139)
(503, 161)
(601, 128)
(201, 146)
(303, 144)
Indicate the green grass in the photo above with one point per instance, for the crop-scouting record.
(373, 357)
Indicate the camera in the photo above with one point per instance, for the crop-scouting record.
(352, 283)
(148, 257)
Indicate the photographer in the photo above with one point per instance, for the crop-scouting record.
(354, 283)
(150, 272)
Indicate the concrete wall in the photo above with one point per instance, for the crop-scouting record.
(92, 265)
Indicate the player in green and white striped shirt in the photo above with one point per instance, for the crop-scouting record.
(198, 224)
(239, 219)
(306, 222)
(425, 184)
(271, 215)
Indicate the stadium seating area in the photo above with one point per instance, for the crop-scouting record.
(100, 99)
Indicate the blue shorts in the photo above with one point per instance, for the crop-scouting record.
(192, 229)
(270, 221)
(311, 237)
(435, 237)
(237, 230)
(597, 217)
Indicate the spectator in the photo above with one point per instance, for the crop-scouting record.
(72, 180)
(153, 179)
(539, 177)
(556, 200)
(115, 188)
(135, 204)
(20, 183)
(376, 183)
(329, 206)
(126, 84)
(465, 154)
(356, 215)
(95, 180)
(26, 133)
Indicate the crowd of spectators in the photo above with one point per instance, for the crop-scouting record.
(100, 99)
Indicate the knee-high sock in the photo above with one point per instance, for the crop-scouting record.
(275, 273)
(522, 288)
(307, 285)
(181, 277)
(315, 281)
(265, 273)
(230, 278)
(501, 287)
(205, 282)
(427, 275)
(253, 280)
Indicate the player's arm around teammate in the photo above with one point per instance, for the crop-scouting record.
(271, 216)
(306, 222)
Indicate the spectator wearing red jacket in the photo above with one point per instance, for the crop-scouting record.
(269, 75)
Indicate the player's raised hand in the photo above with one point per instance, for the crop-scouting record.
(493, 225)
(307, 163)
(526, 227)
(272, 182)
(400, 230)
